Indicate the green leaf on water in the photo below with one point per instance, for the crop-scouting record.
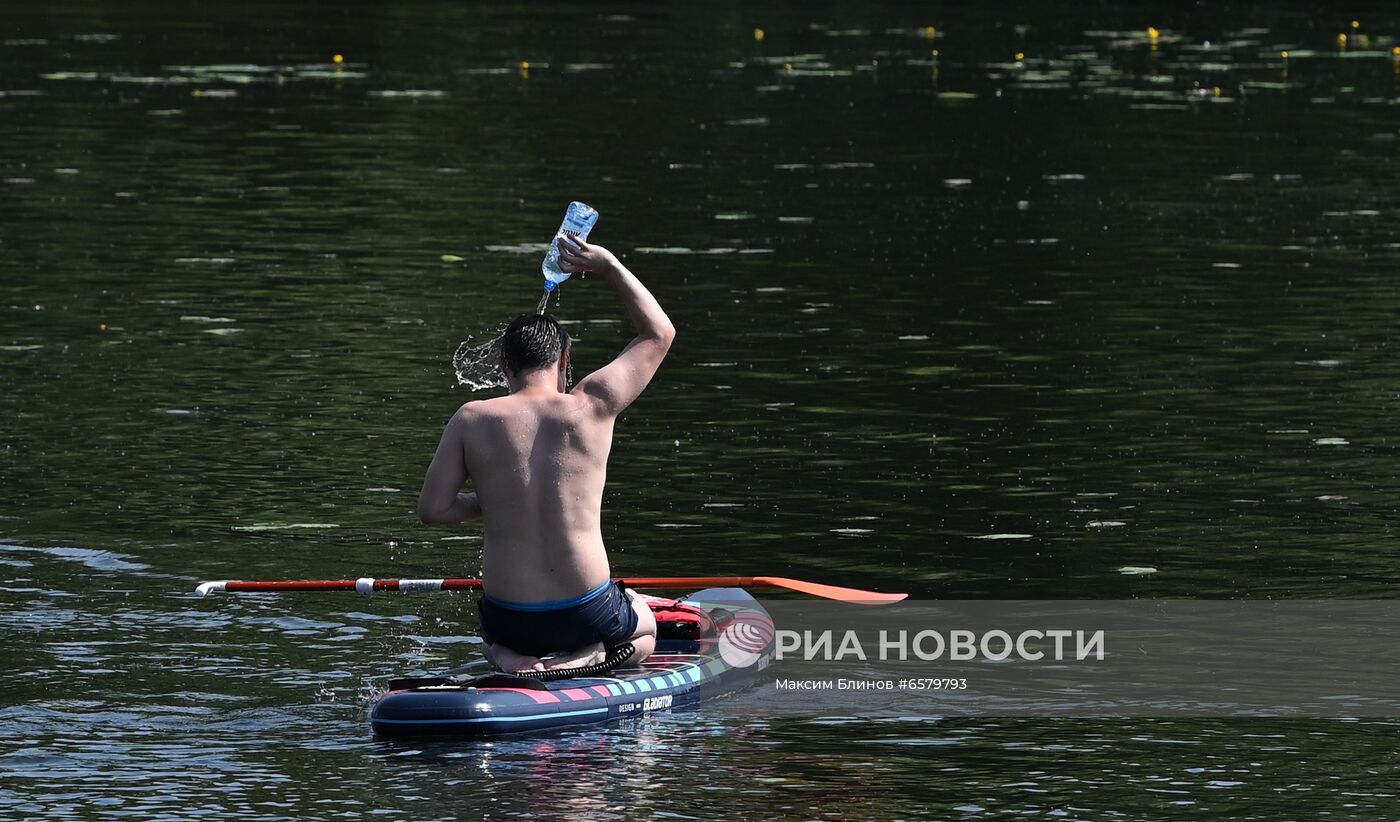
(451, 258)
(70, 75)
(1137, 570)
(931, 370)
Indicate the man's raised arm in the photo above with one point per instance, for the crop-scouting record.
(617, 384)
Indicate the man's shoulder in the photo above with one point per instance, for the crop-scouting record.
(591, 396)
(517, 407)
(490, 408)
(477, 408)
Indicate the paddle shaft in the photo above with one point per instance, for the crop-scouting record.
(367, 585)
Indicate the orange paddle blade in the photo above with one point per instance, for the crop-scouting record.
(816, 589)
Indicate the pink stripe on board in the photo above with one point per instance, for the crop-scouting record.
(577, 694)
(540, 697)
(601, 690)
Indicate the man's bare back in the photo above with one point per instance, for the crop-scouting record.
(537, 459)
(541, 456)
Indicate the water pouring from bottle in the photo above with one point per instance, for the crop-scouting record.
(478, 365)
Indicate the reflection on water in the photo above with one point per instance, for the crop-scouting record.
(983, 302)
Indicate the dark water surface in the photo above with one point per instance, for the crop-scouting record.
(1109, 321)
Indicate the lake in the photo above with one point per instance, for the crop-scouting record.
(991, 301)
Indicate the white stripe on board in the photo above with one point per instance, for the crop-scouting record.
(489, 718)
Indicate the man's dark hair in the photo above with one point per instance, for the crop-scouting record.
(532, 341)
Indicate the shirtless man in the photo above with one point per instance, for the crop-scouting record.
(537, 459)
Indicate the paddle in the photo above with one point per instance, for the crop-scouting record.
(367, 585)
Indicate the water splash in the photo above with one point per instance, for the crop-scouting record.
(478, 365)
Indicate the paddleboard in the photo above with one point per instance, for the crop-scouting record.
(685, 670)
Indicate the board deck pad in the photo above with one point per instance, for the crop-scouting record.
(681, 673)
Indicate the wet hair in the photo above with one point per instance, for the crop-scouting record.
(532, 341)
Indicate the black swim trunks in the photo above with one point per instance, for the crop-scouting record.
(603, 615)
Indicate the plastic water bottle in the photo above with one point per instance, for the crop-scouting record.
(578, 221)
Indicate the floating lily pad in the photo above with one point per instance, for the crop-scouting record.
(412, 93)
(284, 526)
(520, 248)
